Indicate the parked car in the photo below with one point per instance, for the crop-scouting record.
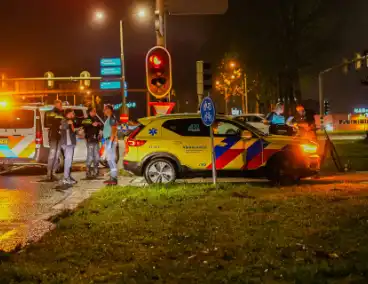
(254, 119)
(24, 135)
(165, 148)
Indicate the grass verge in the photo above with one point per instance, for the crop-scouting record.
(196, 234)
(353, 153)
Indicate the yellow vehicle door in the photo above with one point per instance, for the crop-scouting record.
(189, 140)
(234, 151)
(17, 134)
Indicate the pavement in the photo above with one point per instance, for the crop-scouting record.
(27, 203)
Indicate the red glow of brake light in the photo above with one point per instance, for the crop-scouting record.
(131, 142)
(39, 138)
(136, 143)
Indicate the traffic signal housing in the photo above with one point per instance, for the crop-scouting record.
(204, 77)
(159, 72)
(326, 107)
(50, 83)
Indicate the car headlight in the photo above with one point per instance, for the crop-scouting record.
(309, 148)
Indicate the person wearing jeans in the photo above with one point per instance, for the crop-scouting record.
(68, 142)
(54, 119)
(92, 127)
(111, 139)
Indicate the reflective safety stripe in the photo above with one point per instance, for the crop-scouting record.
(18, 147)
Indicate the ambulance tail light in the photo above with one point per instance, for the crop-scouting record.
(39, 138)
(132, 142)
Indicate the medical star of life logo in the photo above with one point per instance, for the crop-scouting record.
(152, 131)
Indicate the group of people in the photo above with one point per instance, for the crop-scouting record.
(63, 136)
(302, 123)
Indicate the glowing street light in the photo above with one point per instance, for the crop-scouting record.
(141, 13)
(99, 15)
(232, 64)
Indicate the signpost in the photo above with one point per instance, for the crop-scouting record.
(110, 85)
(208, 115)
(161, 108)
(111, 70)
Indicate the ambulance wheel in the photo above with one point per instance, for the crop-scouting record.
(280, 170)
(60, 167)
(160, 170)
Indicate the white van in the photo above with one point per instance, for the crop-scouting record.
(24, 135)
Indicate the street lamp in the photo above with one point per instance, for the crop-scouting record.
(100, 16)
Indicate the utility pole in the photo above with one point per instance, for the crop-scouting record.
(226, 102)
(123, 106)
(320, 91)
(245, 96)
(160, 25)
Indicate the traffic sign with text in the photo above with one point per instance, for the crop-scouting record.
(208, 111)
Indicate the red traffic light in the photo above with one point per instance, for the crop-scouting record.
(158, 72)
(156, 61)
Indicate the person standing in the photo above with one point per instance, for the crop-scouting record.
(276, 120)
(92, 127)
(305, 122)
(110, 135)
(54, 119)
(68, 141)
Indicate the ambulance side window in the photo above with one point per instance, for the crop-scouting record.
(187, 127)
(225, 128)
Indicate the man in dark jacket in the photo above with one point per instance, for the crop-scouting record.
(92, 127)
(54, 119)
(68, 141)
(305, 122)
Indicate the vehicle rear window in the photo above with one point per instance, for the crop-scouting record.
(187, 127)
(17, 119)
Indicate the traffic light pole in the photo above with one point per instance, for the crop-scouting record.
(123, 106)
(320, 84)
(160, 33)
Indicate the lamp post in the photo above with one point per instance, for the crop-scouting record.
(100, 16)
(123, 106)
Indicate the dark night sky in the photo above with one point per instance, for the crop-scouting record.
(60, 36)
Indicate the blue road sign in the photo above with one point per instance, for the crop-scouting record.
(131, 105)
(110, 85)
(208, 111)
(125, 89)
(110, 62)
(110, 71)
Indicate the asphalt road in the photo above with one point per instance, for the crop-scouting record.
(27, 202)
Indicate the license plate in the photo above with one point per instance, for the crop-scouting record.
(3, 141)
